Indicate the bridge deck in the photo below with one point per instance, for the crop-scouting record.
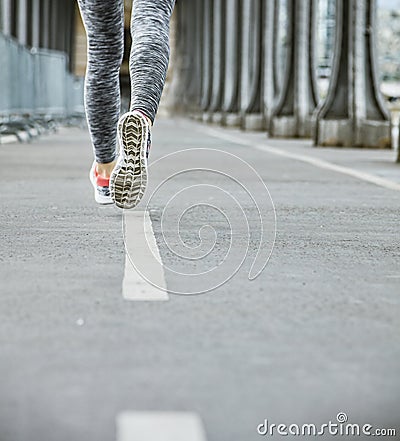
(315, 334)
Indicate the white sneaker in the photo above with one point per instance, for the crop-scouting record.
(101, 187)
(129, 178)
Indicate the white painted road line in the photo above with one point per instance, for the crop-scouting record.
(141, 247)
(373, 179)
(160, 426)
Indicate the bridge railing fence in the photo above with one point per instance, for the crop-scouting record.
(36, 89)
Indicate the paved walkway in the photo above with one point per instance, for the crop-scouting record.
(317, 333)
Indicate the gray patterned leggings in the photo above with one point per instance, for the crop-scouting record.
(104, 24)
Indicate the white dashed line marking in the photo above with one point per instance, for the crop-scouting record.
(140, 243)
(159, 426)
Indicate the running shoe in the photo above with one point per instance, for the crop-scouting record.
(101, 187)
(129, 178)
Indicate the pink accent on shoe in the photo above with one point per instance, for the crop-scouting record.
(100, 181)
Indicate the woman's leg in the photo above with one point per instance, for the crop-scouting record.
(104, 24)
(150, 53)
(148, 69)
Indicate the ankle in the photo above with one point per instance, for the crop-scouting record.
(147, 118)
(105, 170)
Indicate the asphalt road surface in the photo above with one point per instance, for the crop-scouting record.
(316, 334)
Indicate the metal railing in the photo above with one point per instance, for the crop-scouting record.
(36, 89)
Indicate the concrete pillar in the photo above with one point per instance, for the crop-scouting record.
(199, 53)
(353, 113)
(192, 17)
(268, 56)
(276, 51)
(36, 23)
(183, 91)
(207, 59)
(218, 65)
(251, 105)
(22, 22)
(298, 99)
(65, 15)
(45, 24)
(69, 35)
(6, 17)
(398, 149)
(230, 99)
(63, 26)
(54, 24)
